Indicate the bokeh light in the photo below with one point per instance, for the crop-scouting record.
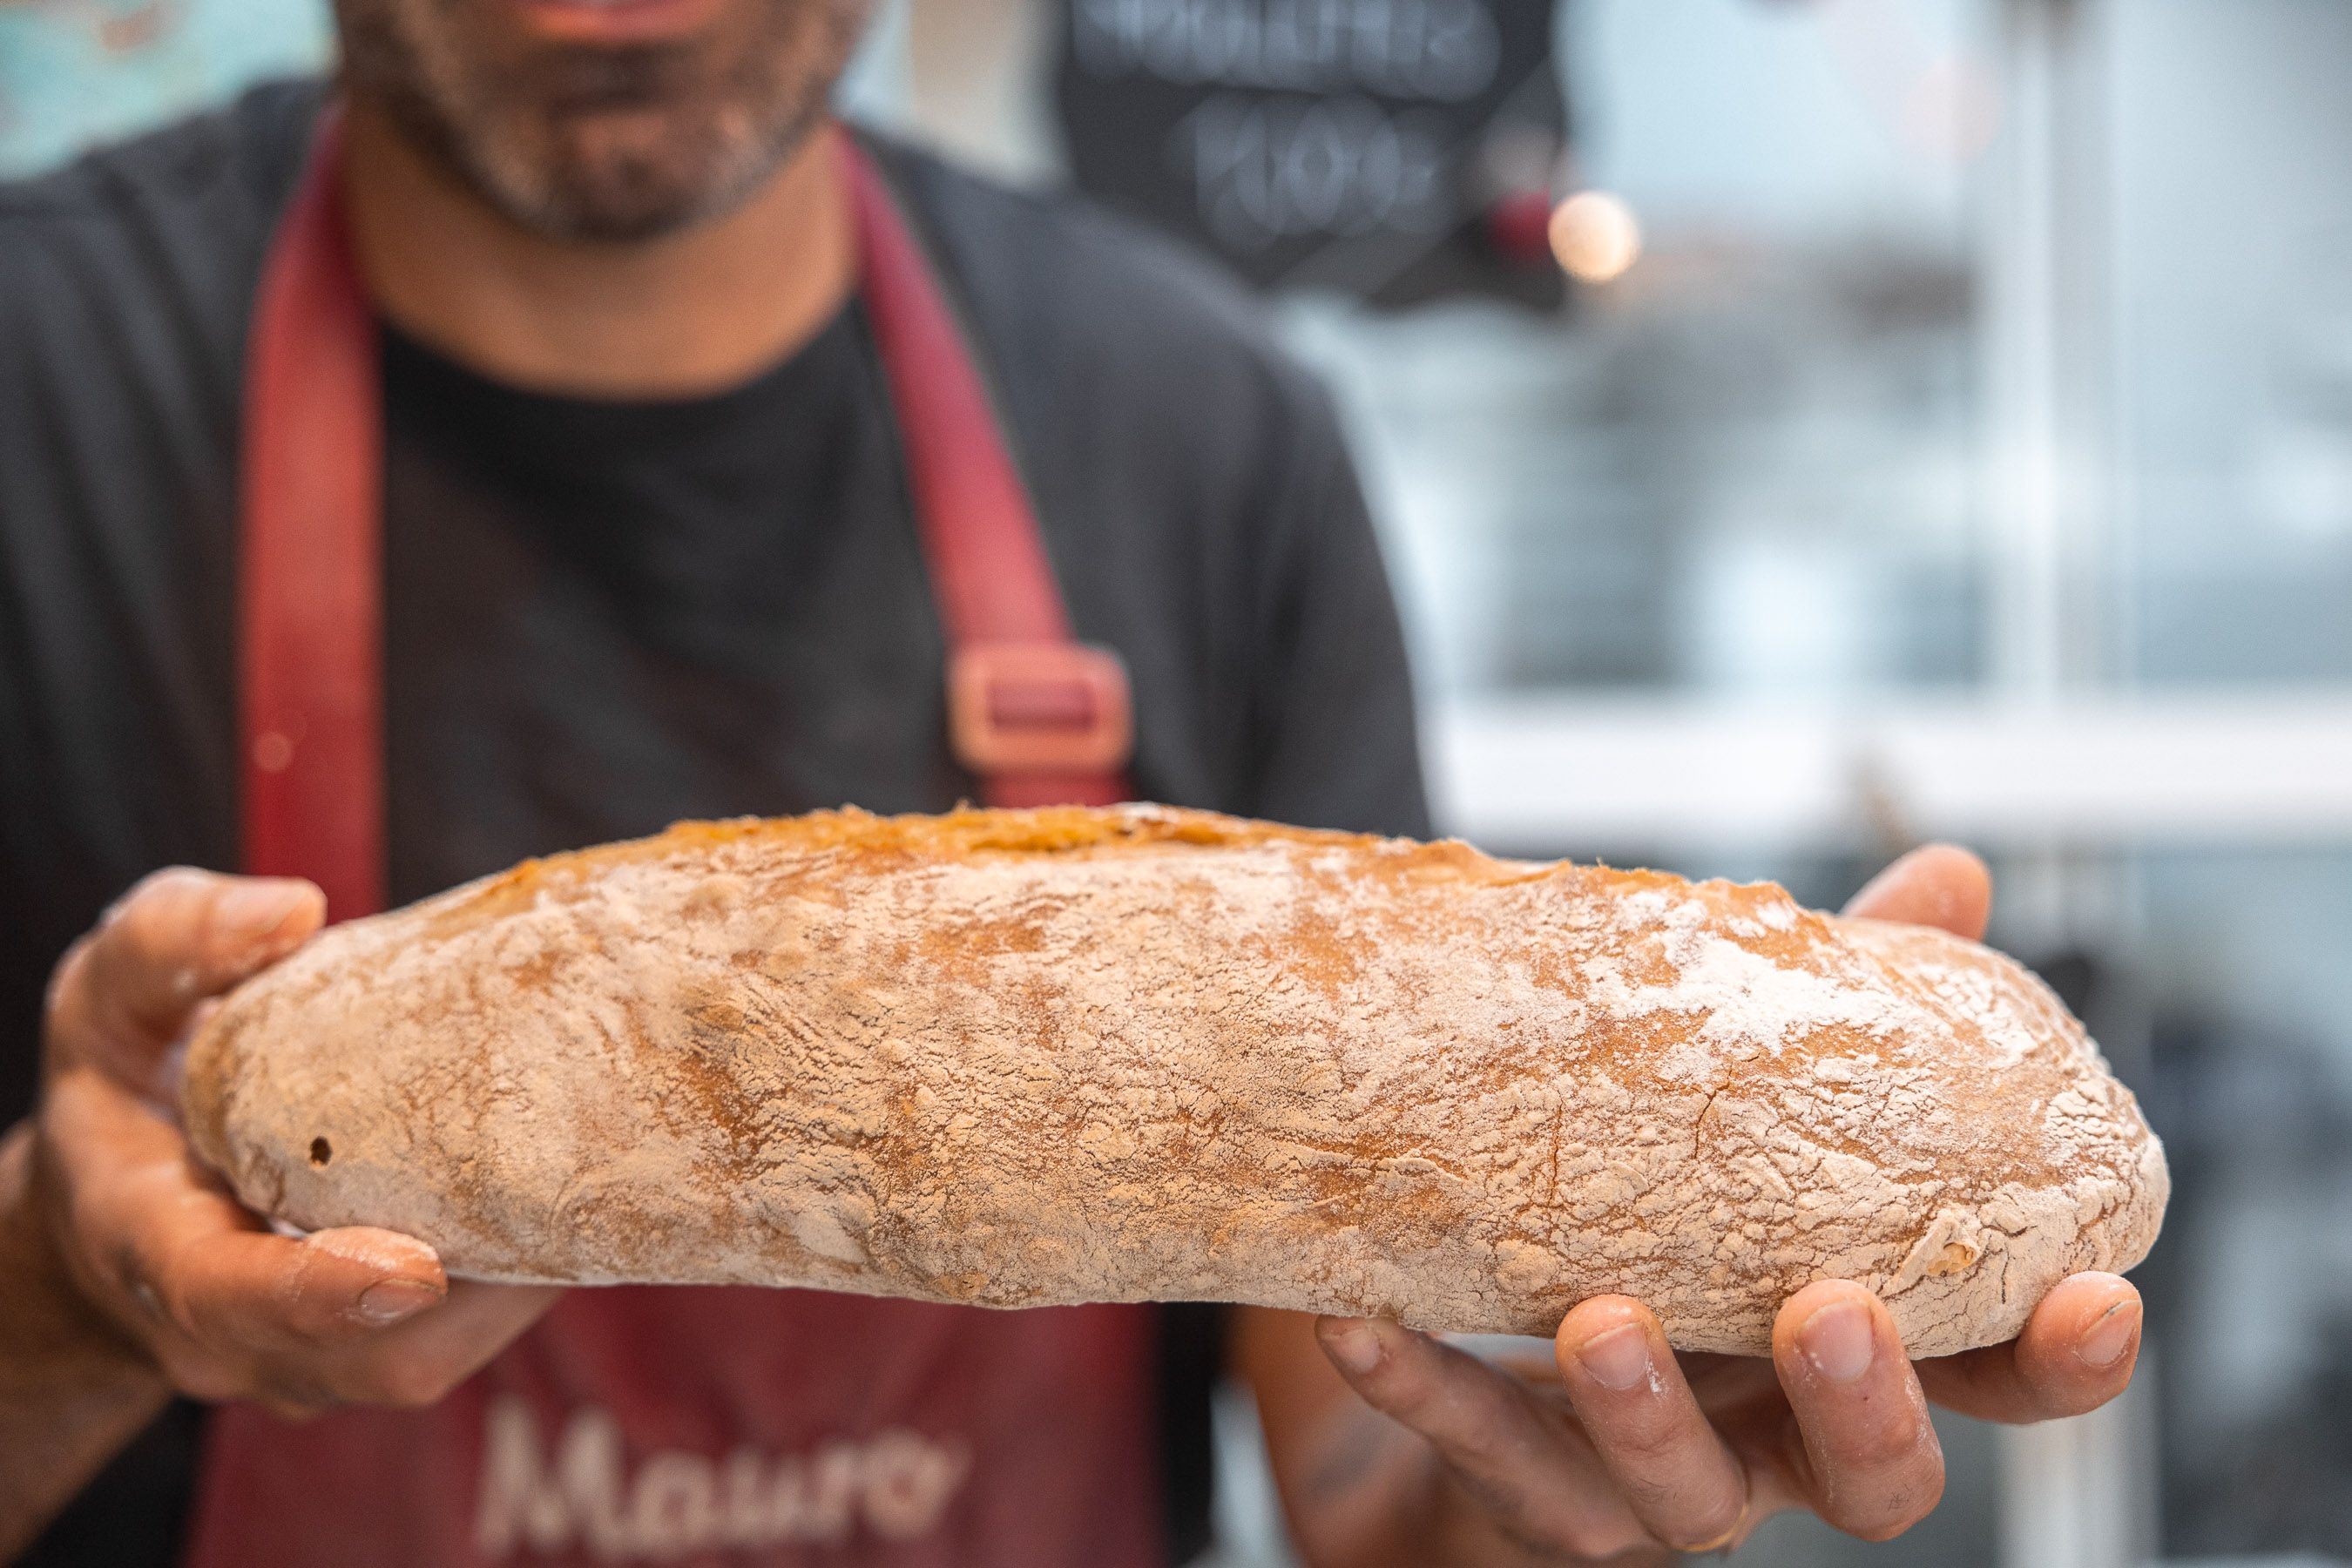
(1595, 236)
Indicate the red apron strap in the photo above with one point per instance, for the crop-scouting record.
(1042, 719)
(311, 632)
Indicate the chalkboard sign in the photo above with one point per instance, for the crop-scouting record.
(1400, 150)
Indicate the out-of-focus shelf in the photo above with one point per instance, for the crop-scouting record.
(2197, 767)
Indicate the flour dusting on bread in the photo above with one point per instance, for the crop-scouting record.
(1073, 1055)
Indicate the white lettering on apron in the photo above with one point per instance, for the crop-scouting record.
(897, 1482)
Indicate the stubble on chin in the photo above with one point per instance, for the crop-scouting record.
(594, 143)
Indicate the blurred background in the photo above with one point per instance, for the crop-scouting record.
(1800, 428)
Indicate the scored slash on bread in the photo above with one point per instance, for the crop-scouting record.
(1029, 1057)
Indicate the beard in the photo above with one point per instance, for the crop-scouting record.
(601, 143)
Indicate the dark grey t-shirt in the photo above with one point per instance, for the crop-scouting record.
(604, 616)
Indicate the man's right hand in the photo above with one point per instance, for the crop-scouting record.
(227, 1307)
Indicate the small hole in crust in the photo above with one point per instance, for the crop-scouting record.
(321, 1150)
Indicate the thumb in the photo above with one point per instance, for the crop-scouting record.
(1939, 885)
(128, 990)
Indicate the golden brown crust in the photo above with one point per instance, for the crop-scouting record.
(1022, 1058)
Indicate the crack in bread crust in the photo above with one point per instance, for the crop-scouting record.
(1081, 1055)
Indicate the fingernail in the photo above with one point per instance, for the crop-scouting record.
(2108, 1338)
(1355, 1347)
(382, 1251)
(387, 1301)
(1617, 1358)
(1839, 1341)
(254, 909)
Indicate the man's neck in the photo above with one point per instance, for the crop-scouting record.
(686, 313)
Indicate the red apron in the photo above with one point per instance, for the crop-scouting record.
(675, 1425)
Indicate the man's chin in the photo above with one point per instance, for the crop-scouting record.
(625, 140)
(625, 176)
(606, 216)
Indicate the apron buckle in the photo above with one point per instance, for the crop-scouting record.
(1027, 708)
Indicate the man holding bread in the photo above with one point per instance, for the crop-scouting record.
(654, 434)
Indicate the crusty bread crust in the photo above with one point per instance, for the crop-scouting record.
(1027, 1057)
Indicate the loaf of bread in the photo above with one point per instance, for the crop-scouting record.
(1018, 1058)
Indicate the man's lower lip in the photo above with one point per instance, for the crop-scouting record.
(615, 21)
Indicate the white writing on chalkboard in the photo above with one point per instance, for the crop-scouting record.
(1264, 171)
(1442, 50)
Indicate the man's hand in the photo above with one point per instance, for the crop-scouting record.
(226, 1308)
(1621, 1446)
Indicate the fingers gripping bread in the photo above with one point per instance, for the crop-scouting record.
(1027, 1057)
